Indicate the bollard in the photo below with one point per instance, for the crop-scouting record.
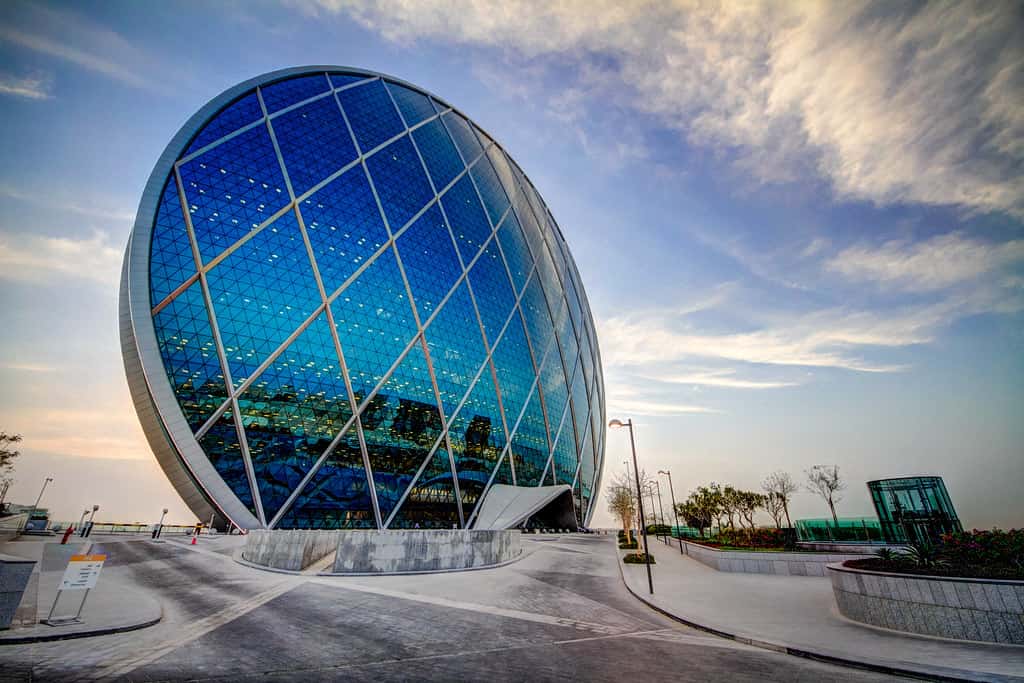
(67, 534)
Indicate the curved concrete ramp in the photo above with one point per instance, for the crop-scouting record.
(506, 507)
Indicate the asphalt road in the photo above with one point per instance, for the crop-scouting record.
(561, 613)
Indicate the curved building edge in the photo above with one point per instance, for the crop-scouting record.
(169, 435)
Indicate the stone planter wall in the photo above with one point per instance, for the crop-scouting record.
(846, 548)
(753, 562)
(292, 550)
(15, 573)
(965, 609)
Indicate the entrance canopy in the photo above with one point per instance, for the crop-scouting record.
(507, 507)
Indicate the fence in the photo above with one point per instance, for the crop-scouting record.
(856, 530)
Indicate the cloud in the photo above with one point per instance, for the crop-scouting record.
(888, 103)
(27, 367)
(936, 263)
(32, 258)
(724, 378)
(28, 87)
(48, 201)
(74, 38)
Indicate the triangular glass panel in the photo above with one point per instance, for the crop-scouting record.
(490, 188)
(431, 502)
(238, 114)
(565, 459)
(413, 105)
(465, 138)
(170, 256)
(371, 114)
(513, 247)
(286, 93)
(400, 181)
(503, 475)
(221, 445)
(492, 291)
(292, 411)
(456, 348)
(530, 444)
(504, 171)
(185, 340)
(314, 142)
(340, 80)
(477, 438)
(338, 495)
(232, 189)
(401, 424)
(439, 153)
(466, 217)
(374, 320)
(344, 226)
(261, 293)
(429, 259)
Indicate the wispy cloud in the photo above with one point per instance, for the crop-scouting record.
(28, 87)
(723, 378)
(33, 258)
(888, 103)
(57, 203)
(936, 263)
(27, 367)
(74, 38)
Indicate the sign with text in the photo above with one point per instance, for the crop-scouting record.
(82, 572)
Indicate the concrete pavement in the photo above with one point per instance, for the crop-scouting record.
(560, 613)
(798, 614)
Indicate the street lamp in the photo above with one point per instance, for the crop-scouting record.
(160, 525)
(639, 496)
(675, 512)
(87, 531)
(81, 520)
(40, 496)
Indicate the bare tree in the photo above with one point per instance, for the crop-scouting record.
(8, 454)
(620, 504)
(780, 485)
(826, 483)
(773, 504)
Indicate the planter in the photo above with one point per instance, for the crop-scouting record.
(986, 610)
(764, 562)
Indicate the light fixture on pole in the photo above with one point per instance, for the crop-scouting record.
(639, 496)
(87, 531)
(160, 525)
(675, 511)
(40, 496)
(81, 520)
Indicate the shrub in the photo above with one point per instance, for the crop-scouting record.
(752, 538)
(637, 558)
(628, 546)
(659, 530)
(993, 548)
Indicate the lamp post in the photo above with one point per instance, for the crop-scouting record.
(661, 508)
(160, 525)
(639, 496)
(675, 511)
(87, 531)
(81, 520)
(40, 496)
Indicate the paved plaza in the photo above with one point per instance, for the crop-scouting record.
(561, 613)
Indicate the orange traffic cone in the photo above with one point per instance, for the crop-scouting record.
(193, 540)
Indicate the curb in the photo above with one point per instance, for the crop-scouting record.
(22, 640)
(958, 677)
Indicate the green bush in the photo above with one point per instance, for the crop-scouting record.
(637, 558)
(762, 537)
(995, 548)
(659, 530)
(628, 546)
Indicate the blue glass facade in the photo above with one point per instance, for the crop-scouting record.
(363, 310)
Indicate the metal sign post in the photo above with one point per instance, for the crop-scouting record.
(81, 574)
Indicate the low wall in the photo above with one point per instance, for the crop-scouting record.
(754, 562)
(293, 550)
(415, 550)
(14, 577)
(966, 609)
(846, 548)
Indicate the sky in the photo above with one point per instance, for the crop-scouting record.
(800, 226)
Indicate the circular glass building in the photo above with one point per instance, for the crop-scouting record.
(344, 306)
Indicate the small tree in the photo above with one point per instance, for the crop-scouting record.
(701, 508)
(8, 454)
(773, 504)
(826, 483)
(780, 485)
(747, 504)
(620, 504)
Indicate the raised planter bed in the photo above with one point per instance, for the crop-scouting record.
(764, 562)
(987, 610)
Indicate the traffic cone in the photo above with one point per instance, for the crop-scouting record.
(193, 540)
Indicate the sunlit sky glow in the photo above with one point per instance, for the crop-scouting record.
(800, 225)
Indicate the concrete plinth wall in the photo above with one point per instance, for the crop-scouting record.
(293, 550)
(965, 609)
(14, 577)
(411, 550)
(753, 562)
(846, 548)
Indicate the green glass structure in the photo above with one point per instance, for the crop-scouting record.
(913, 509)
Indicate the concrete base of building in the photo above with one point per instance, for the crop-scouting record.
(414, 550)
(14, 577)
(288, 550)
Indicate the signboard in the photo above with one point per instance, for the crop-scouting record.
(82, 572)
